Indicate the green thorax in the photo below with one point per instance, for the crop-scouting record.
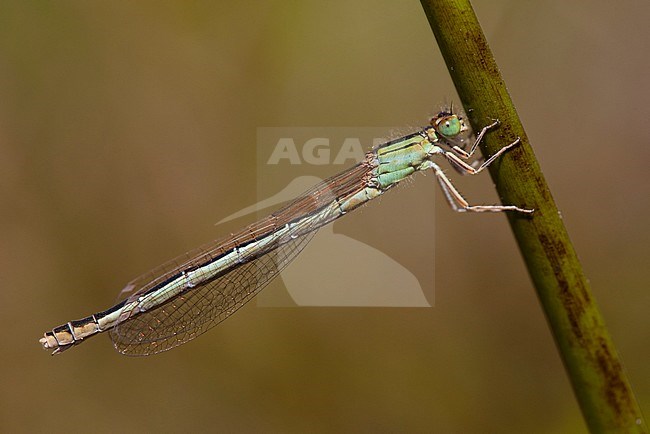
(402, 157)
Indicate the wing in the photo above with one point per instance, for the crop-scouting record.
(247, 262)
(203, 307)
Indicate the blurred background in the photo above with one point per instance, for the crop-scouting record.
(127, 129)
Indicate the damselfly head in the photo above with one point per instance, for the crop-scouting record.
(448, 124)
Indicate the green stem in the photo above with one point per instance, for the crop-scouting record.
(591, 360)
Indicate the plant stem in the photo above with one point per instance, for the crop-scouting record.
(590, 358)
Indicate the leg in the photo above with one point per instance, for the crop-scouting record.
(464, 154)
(458, 202)
(470, 169)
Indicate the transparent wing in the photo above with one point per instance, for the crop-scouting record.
(193, 313)
(202, 306)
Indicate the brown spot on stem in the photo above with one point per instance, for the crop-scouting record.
(615, 389)
(573, 301)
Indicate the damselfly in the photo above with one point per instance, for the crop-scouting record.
(185, 297)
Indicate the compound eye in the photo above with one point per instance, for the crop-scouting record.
(449, 126)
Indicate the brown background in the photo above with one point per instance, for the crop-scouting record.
(128, 128)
